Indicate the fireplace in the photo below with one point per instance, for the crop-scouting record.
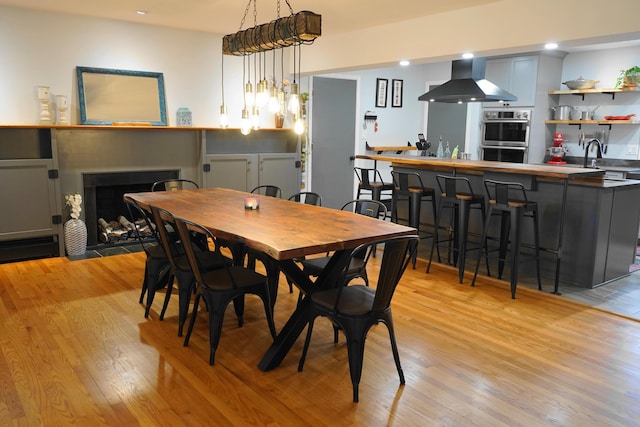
(103, 196)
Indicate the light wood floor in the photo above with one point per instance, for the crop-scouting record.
(76, 349)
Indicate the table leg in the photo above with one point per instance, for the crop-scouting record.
(330, 277)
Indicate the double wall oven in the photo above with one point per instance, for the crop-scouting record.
(505, 135)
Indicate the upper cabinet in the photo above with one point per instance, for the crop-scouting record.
(517, 75)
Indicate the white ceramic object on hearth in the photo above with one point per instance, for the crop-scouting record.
(75, 237)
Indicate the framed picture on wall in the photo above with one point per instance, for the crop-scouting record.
(396, 93)
(381, 92)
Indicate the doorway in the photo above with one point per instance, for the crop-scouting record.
(333, 136)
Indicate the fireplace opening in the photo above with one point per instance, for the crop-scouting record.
(103, 202)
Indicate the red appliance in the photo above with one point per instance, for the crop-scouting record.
(557, 150)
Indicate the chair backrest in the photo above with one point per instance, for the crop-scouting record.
(174, 184)
(502, 192)
(395, 258)
(268, 190)
(170, 241)
(368, 176)
(372, 208)
(403, 181)
(186, 229)
(136, 213)
(450, 185)
(307, 197)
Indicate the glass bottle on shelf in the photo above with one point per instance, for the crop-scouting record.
(440, 152)
(447, 152)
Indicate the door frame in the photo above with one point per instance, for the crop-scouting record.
(308, 171)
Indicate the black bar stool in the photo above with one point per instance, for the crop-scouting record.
(408, 186)
(510, 200)
(370, 180)
(456, 193)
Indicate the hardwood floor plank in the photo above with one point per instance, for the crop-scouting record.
(75, 348)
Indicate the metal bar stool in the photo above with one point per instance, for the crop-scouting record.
(456, 193)
(510, 200)
(408, 186)
(370, 180)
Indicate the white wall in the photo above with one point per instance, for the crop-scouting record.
(40, 48)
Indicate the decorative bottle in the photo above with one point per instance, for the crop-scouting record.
(440, 153)
(447, 152)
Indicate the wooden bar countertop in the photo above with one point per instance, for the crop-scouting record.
(548, 171)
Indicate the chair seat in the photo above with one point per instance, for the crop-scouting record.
(382, 185)
(218, 280)
(463, 196)
(356, 300)
(515, 203)
(314, 266)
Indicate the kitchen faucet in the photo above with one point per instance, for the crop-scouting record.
(598, 148)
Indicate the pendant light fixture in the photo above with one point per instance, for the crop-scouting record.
(290, 31)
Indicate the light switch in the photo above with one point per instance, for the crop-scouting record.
(632, 149)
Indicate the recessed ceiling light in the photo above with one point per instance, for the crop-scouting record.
(404, 63)
(551, 46)
(467, 55)
(142, 12)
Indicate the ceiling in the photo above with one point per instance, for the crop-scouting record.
(224, 16)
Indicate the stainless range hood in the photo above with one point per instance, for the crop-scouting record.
(467, 84)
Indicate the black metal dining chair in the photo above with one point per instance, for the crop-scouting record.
(358, 263)
(307, 197)
(180, 268)
(174, 184)
(219, 287)
(356, 308)
(268, 190)
(157, 269)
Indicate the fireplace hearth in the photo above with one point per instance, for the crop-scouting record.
(103, 198)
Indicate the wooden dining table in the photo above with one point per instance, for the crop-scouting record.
(283, 231)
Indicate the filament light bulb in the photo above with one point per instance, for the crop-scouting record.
(245, 123)
(224, 119)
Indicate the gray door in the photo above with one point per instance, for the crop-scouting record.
(333, 139)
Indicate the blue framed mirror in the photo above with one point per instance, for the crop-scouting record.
(109, 96)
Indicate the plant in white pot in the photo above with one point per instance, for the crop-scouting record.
(75, 230)
(628, 79)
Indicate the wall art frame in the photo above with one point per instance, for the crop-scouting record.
(381, 92)
(396, 92)
(111, 96)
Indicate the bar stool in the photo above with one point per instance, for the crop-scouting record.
(456, 193)
(408, 186)
(370, 180)
(510, 200)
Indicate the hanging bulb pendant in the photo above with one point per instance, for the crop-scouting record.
(224, 119)
(245, 123)
(294, 99)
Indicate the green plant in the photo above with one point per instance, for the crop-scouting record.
(628, 75)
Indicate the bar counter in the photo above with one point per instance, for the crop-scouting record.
(588, 224)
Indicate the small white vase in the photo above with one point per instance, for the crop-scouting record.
(75, 237)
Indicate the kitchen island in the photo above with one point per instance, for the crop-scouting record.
(588, 224)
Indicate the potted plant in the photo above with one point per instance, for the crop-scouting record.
(628, 78)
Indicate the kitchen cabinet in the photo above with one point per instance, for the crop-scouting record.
(29, 185)
(244, 172)
(517, 75)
